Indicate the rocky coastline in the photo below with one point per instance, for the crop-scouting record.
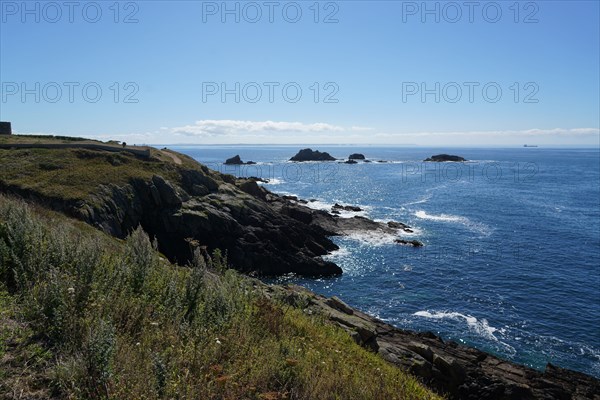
(455, 370)
(265, 234)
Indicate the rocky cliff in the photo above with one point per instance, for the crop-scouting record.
(184, 205)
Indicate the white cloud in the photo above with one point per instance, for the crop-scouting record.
(236, 128)
(361, 128)
(282, 132)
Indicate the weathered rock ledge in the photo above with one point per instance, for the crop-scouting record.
(447, 367)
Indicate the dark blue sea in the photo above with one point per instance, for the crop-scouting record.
(511, 262)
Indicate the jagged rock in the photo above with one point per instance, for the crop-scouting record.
(421, 349)
(335, 302)
(257, 179)
(199, 190)
(356, 156)
(310, 155)
(191, 177)
(167, 192)
(236, 160)
(445, 157)
(299, 214)
(397, 225)
(414, 243)
(337, 206)
(350, 162)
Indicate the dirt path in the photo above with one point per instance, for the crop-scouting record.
(173, 156)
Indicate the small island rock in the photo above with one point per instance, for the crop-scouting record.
(312, 155)
(236, 160)
(356, 156)
(445, 157)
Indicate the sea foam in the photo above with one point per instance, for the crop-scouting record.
(482, 327)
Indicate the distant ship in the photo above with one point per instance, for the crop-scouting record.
(530, 145)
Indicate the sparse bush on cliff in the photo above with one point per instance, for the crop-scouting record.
(89, 316)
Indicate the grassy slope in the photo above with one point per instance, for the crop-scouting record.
(72, 174)
(84, 315)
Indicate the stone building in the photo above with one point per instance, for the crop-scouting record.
(5, 128)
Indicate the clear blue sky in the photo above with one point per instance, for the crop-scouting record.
(375, 61)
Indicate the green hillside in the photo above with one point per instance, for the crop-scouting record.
(84, 315)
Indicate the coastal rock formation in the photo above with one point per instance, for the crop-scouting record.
(186, 203)
(236, 160)
(413, 243)
(356, 156)
(263, 233)
(350, 162)
(312, 155)
(444, 158)
(400, 225)
(233, 216)
(447, 367)
(337, 206)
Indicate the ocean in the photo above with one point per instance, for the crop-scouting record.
(511, 262)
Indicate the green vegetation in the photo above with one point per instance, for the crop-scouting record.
(42, 139)
(72, 174)
(84, 315)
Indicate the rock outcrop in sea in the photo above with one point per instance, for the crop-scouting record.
(236, 160)
(444, 158)
(356, 156)
(312, 155)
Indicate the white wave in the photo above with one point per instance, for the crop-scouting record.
(477, 227)
(340, 253)
(415, 230)
(372, 238)
(482, 327)
(442, 217)
(423, 200)
(273, 181)
(325, 206)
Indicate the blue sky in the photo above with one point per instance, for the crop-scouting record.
(376, 72)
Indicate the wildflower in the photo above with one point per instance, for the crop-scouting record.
(71, 290)
(217, 341)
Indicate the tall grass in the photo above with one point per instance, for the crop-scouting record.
(121, 322)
